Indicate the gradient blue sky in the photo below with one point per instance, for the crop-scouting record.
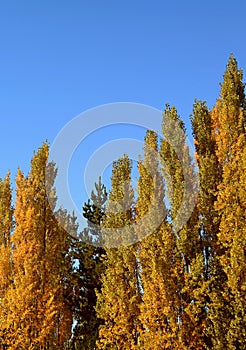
(60, 58)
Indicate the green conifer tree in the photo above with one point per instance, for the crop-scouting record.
(89, 271)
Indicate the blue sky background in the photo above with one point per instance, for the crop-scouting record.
(60, 58)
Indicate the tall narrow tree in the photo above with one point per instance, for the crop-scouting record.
(229, 122)
(156, 254)
(6, 226)
(209, 172)
(178, 169)
(38, 316)
(118, 301)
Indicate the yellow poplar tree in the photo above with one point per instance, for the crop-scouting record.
(118, 300)
(6, 226)
(179, 172)
(157, 255)
(38, 316)
(209, 178)
(229, 123)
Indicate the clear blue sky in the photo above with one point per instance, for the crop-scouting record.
(59, 58)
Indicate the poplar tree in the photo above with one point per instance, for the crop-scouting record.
(209, 178)
(6, 226)
(209, 172)
(229, 123)
(118, 301)
(157, 255)
(179, 173)
(38, 316)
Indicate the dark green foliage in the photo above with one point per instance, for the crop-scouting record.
(88, 271)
